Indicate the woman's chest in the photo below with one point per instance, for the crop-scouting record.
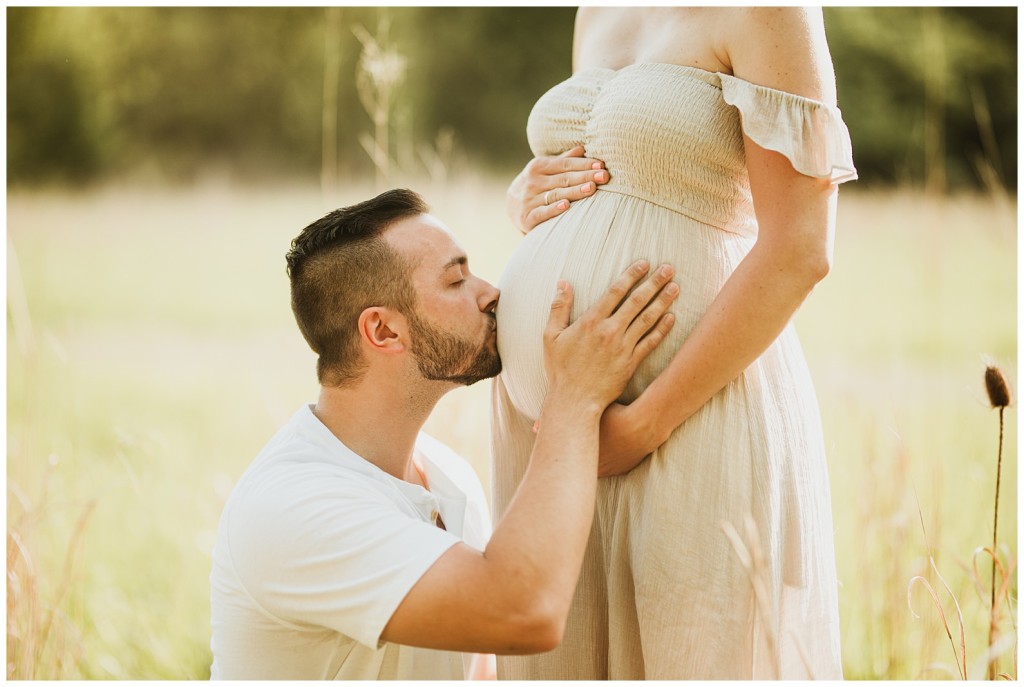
(615, 37)
(640, 120)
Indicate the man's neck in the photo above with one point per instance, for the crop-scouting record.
(377, 422)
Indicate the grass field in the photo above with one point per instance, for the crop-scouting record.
(151, 352)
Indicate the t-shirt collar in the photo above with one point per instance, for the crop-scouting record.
(444, 496)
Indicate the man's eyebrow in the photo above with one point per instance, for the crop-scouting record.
(457, 260)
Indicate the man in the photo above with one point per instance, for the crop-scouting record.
(356, 547)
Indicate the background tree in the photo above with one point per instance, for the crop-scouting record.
(884, 58)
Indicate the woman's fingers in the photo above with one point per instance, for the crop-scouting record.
(542, 213)
(566, 171)
(574, 160)
(578, 151)
(573, 185)
(553, 165)
(548, 184)
(554, 201)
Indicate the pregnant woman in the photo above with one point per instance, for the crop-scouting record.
(713, 558)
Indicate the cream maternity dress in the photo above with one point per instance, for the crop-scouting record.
(666, 592)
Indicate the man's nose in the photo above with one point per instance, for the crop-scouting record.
(489, 298)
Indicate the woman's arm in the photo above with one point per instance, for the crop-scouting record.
(782, 48)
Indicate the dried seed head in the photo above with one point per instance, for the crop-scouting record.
(995, 384)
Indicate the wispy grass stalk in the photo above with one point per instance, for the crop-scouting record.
(17, 304)
(751, 557)
(961, 657)
(381, 69)
(999, 397)
(329, 110)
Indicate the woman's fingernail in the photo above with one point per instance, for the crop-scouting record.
(597, 165)
(601, 176)
(587, 187)
(562, 204)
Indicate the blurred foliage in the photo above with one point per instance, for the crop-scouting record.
(884, 59)
(929, 93)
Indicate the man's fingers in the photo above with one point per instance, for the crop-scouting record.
(651, 314)
(655, 336)
(558, 319)
(642, 296)
(609, 301)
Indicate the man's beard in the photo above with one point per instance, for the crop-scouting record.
(443, 356)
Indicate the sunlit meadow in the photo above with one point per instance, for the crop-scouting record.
(151, 352)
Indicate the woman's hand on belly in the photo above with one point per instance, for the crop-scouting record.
(548, 184)
(628, 436)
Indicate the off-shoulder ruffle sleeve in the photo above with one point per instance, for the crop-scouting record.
(811, 134)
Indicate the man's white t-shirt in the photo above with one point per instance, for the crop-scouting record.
(316, 549)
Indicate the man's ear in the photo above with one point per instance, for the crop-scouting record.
(383, 329)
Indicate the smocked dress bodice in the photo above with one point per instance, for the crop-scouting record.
(683, 149)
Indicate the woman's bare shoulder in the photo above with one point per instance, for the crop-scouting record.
(782, 48)
(606, 36)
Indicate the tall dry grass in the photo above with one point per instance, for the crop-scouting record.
(920, 302)
(43, 641)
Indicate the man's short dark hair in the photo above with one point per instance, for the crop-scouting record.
(339, 266)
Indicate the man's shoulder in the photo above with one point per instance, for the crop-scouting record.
(300, 467)
(305, 446)
(296, 494)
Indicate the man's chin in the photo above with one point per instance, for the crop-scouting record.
(480, 372)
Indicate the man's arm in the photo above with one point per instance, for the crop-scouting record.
(514, 597)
